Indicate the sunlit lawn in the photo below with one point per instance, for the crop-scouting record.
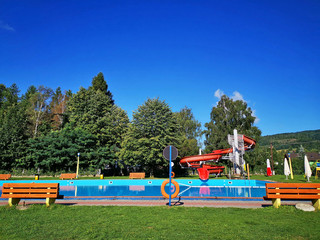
(282, 178)
(111, 222)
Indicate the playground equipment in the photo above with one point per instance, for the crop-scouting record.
(239, 143)
(317, 169)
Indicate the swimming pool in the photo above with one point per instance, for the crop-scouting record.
(221, 189)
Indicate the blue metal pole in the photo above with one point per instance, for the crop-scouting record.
(170, 179)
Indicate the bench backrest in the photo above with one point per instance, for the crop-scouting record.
(68, 175)
(5, 176)
(293, 190)
(137, 175)
(30, 190)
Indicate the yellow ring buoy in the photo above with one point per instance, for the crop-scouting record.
(175, 194)
(173, 174)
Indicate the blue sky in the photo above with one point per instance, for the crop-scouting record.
(187, 53)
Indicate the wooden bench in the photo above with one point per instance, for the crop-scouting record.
(139, 175)
(5, 176)
(15, 191)
(293, 191)
(68, 176)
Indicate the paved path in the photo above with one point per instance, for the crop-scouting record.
(184, 203)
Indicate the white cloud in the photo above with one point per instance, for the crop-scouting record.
(6, 26)
(254, 114)
(218, 93)
(237, 96)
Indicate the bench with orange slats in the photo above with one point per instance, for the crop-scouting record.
(5, 176)
(293, 191)
(139, 175)
(68, 176)
(16, 191)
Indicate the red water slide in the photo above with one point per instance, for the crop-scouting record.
(205, 169)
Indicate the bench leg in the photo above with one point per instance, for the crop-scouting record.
(13, 201)
(316, 204)
(50, 201)
(276, 202)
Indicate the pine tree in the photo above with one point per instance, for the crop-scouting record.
(93, 110)
(98, 83)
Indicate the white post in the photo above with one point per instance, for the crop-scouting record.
(236, 152)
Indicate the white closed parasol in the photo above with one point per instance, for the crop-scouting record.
(286, 168)
(307, 169)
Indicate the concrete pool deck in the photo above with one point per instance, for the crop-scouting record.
(149, 203)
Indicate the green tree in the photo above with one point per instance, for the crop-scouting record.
(153, 127)
(190, 127)
(277, 161)
(93, 111)
(13, 125)
(8, 96)
(116, 125)
(225, 117)
(98, 83)
(258, 160)
(38, 110)
(57, 151)
(58, 108)
(88, 110)
(190, 130)
(298, 164)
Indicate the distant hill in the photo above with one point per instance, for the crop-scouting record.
(310, 140)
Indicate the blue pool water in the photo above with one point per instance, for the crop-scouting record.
(150, 189)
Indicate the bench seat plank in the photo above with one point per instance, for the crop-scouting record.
(295, 190)
(34, 196)
(30, 191)
(292, 185)
(30, 185)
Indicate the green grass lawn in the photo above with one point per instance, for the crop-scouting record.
(282, 178)
(111, 222)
